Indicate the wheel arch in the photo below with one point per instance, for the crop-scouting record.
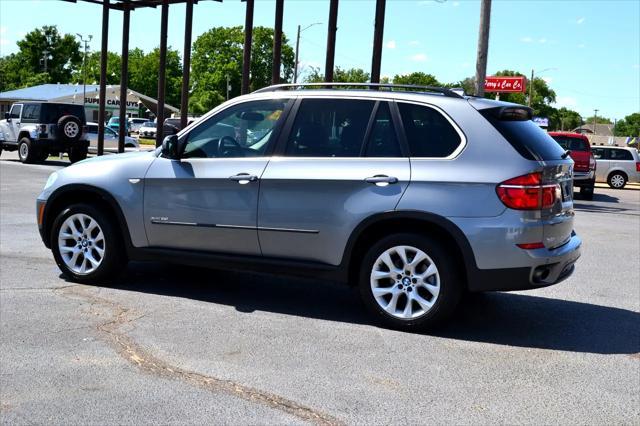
(375, 227)
(24, 134)
(620, 171)
(82, 193)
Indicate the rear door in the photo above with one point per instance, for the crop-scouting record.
(339, 162)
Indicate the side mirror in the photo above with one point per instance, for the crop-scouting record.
(170, 147)
(7, 116)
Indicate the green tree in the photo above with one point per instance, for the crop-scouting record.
(599, 120)
(114, 62)
(351, 75)
(417, 78)
(217, 54)
(564, 119)
(26, 67)
(144, 69)
(629, 126)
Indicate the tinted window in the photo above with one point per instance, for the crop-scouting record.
(243, 130)
(383, 141)
(620, 154)
(526, 137)
(599, 153)
(329, 128)
(572, 144)
(428, 133)
(51, 113)
(31, 112)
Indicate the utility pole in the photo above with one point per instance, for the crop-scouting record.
(228, 86)
(530, 89)
(483, 46)
(295, 68)
(595, 121)
(378, 34)
(45, 58)
(84, 65)
(331, 40)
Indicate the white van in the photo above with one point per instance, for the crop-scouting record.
(616, 165)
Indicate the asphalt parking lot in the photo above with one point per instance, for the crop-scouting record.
(177, 345)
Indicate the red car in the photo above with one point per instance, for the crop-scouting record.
(584, 170)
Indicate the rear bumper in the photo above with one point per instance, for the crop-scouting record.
(551, 267)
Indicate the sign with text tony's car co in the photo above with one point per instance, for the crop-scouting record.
(505, 84)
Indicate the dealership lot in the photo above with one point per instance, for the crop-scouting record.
(169, 344)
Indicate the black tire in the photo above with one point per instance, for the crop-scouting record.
(450, 285)
(586, 192)
(69, 128)
(114, 259)
(617, 180)
(26, 152)
(77, 154)
(41, 156)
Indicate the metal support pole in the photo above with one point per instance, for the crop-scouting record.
(246, 57)
(331, 41)
(162, 75)
(295, 67)
(277, 43)
(595, 120)
(124, 81)
(530, 90)
(103, 76)
(186, 67)
(483, 46)
(378, 34)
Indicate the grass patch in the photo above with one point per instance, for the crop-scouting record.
(145, 141)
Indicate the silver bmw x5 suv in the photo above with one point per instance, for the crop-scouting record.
(415, 195)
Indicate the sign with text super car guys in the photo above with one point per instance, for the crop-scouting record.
(505, 84)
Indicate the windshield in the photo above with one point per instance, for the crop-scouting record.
(572, 144)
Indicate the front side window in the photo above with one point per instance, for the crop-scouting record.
(428, 133)
(15, 111)
(244, 130)
(329, 128)
(599, 153)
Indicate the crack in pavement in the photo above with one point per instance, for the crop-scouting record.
(125, 346)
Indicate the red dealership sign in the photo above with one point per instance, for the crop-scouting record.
(505, 84)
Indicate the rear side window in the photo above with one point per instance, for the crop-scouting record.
(620, 154)
(31, 112)
(51, 113)
(599, 153)
(383, 141)
(572, 144)
(329, 128)
(526, 137)
(428, 133)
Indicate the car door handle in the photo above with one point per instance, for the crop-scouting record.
(381, 180)
(244, 178)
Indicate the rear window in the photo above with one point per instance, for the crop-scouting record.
(572, 144)
(526, 137)
(51, 113)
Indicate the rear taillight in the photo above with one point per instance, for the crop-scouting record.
(637, 166)
(592, 162)
(527, 193)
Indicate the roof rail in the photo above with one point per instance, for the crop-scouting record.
(451, 93)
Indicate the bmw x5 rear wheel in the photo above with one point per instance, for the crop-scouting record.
(409, 282)
(86, 245)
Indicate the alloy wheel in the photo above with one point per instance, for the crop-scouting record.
(81, 244)
(405, 282)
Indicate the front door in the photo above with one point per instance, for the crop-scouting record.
(14, 124)
(340, 163)
(208, 199)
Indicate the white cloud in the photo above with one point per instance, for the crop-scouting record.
(636, 66)
(414, 43)
(581, 46)
(456, 3)
(566, 101)
(526, 39)
(418, 57)
(3, 29)
(542, 40)
(465, 65)
(580, 20)
(391, 44)
(548, 80)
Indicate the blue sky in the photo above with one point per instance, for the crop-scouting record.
(589, 49)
